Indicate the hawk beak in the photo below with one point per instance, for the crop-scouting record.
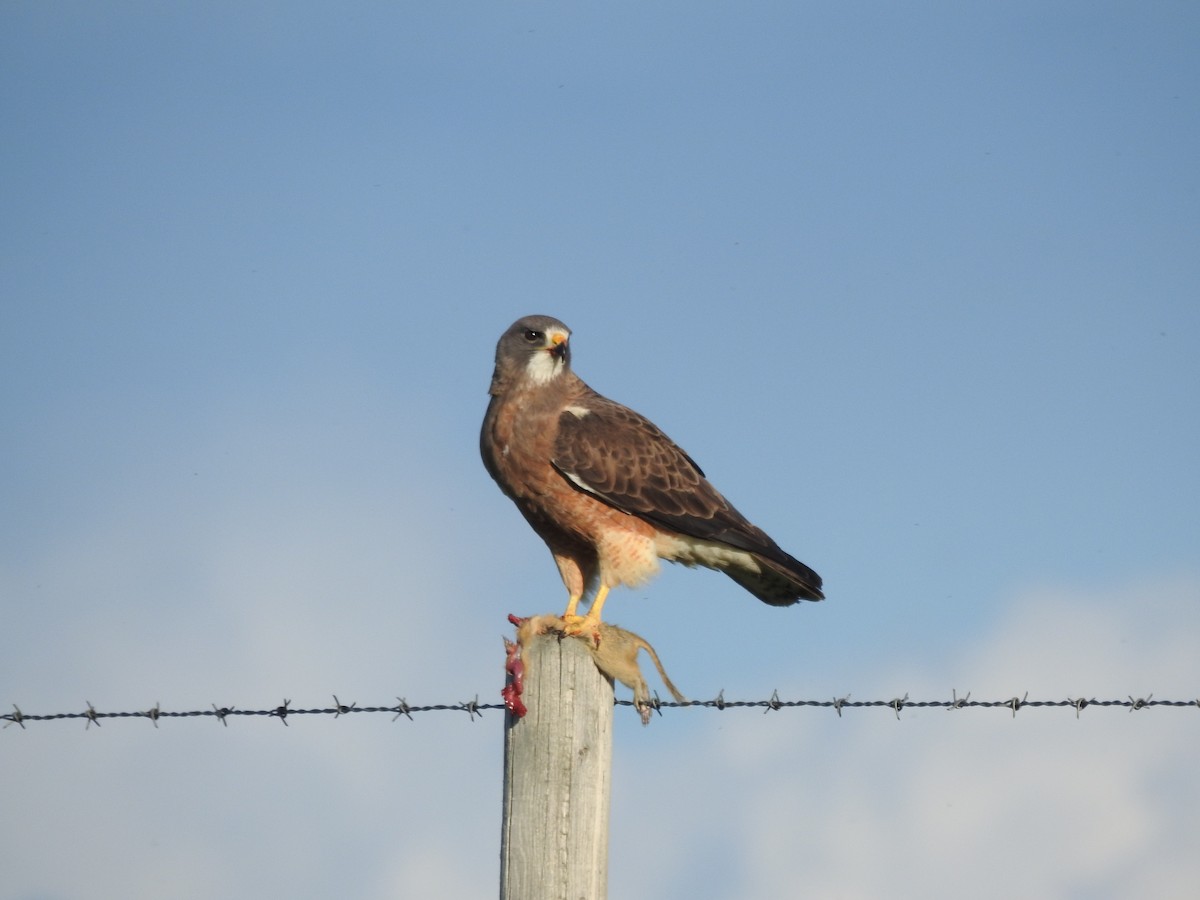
(558, 348)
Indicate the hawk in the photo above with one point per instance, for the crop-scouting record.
(609, 492)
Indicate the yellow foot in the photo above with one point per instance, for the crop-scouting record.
(589, 624)
(583, 625)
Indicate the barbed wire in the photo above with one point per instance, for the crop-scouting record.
(474, 708)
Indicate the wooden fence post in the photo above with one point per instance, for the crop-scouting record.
(557, 774)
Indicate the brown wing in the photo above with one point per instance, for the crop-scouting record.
(623, 458)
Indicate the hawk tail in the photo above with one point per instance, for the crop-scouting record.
(777, 583)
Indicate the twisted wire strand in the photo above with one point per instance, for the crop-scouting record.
(474, 708)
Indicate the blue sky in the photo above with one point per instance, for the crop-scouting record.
(915, 284)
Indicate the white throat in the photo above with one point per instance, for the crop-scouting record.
(544, 367)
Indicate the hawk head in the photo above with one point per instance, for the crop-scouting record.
(535, 348)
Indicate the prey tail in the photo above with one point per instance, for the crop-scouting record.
(662, 673)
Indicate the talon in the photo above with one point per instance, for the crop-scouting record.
(577, 626)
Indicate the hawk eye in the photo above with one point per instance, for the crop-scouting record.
(534, 336)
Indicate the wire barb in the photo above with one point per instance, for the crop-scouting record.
(282, 711)
(1017, 702)
(472, 708)
(1140, 703)
(653, 704)
(401, 709)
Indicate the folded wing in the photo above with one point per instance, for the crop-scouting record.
(624, 459)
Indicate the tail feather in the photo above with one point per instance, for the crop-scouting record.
(777, 584)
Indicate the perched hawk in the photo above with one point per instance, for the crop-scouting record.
(608, 492)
